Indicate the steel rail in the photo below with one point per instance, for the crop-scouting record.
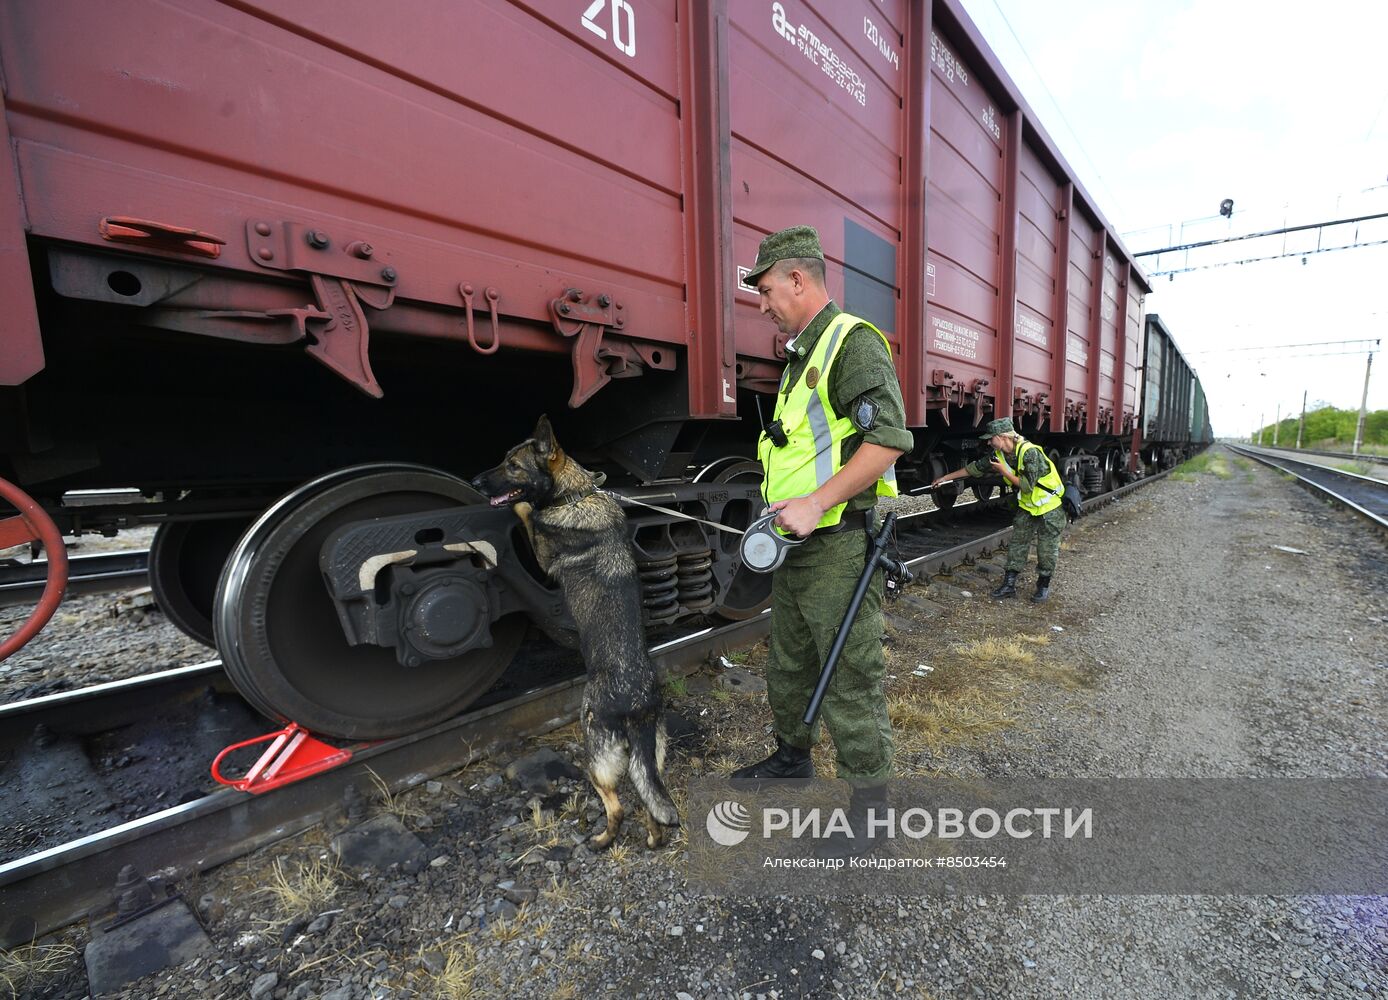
(21, 583)
(1347, 456)
(1284, 465)
(57, 886)
(934, 562)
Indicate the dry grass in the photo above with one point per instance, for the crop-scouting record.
(393, 802)
(306, 888)
(29, 965)
(974, 691)
(544, 825)
(573, 806)
(557, 893)
(558, 739)
(506, 931)
(457, 980)
(735, 747)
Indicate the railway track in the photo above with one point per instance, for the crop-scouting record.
(1344, 456)
(1366, 496)
(181, 828)
(22, 582)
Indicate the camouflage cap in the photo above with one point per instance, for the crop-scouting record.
(1003, 425)
(797, 241)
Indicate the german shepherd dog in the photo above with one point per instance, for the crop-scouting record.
(580, 539)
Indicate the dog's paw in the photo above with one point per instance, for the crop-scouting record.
(601, 841)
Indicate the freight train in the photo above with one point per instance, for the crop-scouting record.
(294, 269)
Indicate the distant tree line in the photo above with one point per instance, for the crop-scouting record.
(1327, 428)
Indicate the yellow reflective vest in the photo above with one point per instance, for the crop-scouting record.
(1049, 489)
(813, 452)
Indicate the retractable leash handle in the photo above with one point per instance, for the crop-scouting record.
(877, 556)
(763, 547)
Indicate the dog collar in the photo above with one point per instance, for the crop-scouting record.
(574, 496)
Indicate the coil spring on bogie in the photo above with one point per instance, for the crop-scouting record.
(695, 580)
(659, 589)
(1093, 480)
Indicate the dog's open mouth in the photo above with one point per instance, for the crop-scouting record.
(506, 498)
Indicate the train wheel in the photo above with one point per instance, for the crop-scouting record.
(982, 493)
(278, 632)
(1110, 459)
(185, 562)
(749, 594)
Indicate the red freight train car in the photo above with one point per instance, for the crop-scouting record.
(469, 214)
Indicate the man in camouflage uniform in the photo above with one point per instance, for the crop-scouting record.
(812, 588)
(1040, 515)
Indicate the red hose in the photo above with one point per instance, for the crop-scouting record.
(33, 523)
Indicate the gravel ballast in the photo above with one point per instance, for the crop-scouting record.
(1188, 644)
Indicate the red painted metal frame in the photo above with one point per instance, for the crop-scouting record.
(708, 216)
(955, 25)
(1061, 346)
(1007, 284)
(31, 524)
(915, 238)
(1120, 376)
(293, 754)
(1096, 337)
(571, 191)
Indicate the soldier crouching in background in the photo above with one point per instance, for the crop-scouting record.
(1040, 515)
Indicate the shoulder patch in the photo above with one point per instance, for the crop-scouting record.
(865, 413)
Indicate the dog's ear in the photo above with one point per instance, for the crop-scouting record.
(544, 437)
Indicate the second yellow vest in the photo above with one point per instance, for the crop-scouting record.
(1045, 496)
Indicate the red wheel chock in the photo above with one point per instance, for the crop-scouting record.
(293, 754)
(30, 525)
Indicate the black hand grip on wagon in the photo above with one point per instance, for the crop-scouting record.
(877, 556)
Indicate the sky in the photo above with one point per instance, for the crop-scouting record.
(1164, 108)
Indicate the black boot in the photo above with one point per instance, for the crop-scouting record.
(1043, 590)
(786, 763)
(1009, 585)
(868, 803)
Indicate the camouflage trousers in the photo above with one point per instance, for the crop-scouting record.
(809, 596)
(1046, 530)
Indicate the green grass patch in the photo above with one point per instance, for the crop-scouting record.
(1357, 468)
(1204, 464)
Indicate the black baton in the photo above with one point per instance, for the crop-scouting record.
(877, 556)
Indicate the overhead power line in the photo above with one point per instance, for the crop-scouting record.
(1319, 354)
(1278, 347)
(1268, 232)
(1276, 256)
(1041, 79)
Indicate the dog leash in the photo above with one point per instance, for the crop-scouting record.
(620, 498)
(763, 548)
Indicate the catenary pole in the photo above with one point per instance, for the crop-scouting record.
(1363, 403)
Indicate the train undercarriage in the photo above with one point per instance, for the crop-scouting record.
(329, 545)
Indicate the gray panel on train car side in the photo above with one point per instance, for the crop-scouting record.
(869, 277)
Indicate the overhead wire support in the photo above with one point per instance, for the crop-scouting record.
(1268, 232)
(1258, 260)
